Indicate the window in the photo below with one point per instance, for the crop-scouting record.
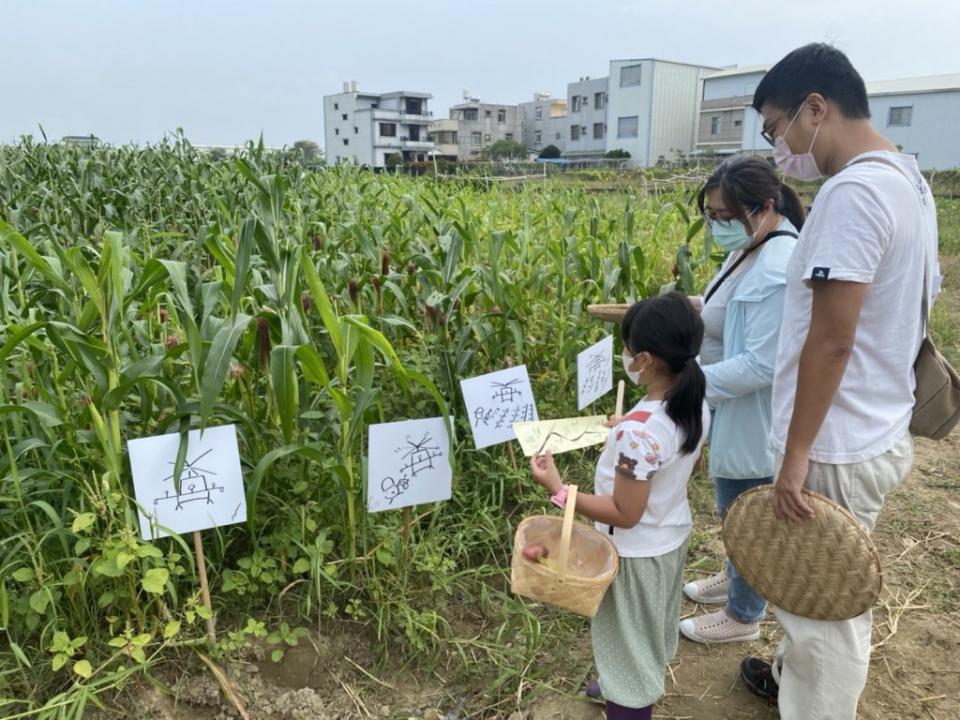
(344, 116)
(346, 141)
(598, 131)
(599, 101)
(737, 123)
(388, 129)
(537, 139)
(502, 115)
(487, 113)
(336, 106)
(454, 138)
(628, 127)
(509, 136)
(486, 137)
(558, 136)
(574, 133)
(715, 125)
(630, 75)
(900, 116)
(356, 130)
(475, 138)
(469, 113)
(539, 113)
(336, 131)
(575, 103)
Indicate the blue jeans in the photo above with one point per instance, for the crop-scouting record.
(743, 603)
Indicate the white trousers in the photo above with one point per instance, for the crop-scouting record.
(823, 664)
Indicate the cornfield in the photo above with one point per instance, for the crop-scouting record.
(159, 289)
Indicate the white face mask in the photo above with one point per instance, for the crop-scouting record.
(634, 375)
(799, 166)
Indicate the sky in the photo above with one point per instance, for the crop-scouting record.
(134, 70)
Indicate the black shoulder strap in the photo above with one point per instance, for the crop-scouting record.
(734, 266)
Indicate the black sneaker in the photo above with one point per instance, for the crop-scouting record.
(757, 675)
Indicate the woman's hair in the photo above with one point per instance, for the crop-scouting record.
(746, 182)
(670, 329)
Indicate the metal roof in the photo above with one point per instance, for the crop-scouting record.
(905, 86)
(731, 72)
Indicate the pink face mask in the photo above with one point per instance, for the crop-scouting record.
(799, 166)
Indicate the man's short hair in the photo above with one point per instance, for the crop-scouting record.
(818, 68)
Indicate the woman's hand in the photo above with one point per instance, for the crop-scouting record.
(545, 472)
(612, 420)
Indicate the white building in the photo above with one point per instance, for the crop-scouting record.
(727, 123)
(544, 122)
(652, 110)
(921, 115)
(480, 124)
(445, 134)
(586, 131)
(376, 129)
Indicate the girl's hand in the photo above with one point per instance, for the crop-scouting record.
(545, 472)
(612, 420)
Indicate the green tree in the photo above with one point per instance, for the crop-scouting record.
(550, 152)
(503, 149)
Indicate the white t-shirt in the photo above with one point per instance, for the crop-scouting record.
(645, 445)
(871, 223)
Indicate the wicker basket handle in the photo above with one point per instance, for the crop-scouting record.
(565, 534)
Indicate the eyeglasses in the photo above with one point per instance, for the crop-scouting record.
(711, 217)
(767, 132)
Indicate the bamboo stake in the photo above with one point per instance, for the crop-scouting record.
(204, 587)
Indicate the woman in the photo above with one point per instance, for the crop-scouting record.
(755, 218)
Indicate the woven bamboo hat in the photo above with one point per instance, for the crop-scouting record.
(824, 569)
(609, 312)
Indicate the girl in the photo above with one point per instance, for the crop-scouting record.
(755, 218)
(641, 501)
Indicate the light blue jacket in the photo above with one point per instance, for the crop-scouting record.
(739, 386)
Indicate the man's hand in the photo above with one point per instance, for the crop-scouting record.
(788, 502)
(545, 472)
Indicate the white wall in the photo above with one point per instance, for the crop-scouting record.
(674, 120)
(586, 117)
(933, 133)
(627, 101)
(730, 86)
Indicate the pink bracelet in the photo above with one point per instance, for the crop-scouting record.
(560, 499)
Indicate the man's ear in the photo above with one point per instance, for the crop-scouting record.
(818, 107)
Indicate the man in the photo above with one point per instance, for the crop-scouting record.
(852, 327)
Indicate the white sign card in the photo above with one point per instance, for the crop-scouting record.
(211, 484)
(496, 401)
(557, 436)
(408, 464)
(594, 372)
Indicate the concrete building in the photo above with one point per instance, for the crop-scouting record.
(727, 124)
(586, 125)
(653, 107)
(376, 129)
(544, 122)
(480, 124)
(445, 136)
(920, 114)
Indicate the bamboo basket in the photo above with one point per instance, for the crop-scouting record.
(608, 312)
(826, 568)
(587, 562)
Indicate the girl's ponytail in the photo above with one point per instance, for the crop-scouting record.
(670, 329)
(685, 403)
(791, 207)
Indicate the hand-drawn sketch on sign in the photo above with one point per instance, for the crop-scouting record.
(594, 372)
(495, 402)
(408, 464)
(211, 484)
(562, 435)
